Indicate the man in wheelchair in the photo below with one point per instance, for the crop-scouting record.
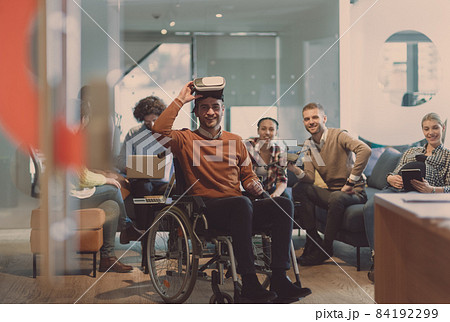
(215, 163)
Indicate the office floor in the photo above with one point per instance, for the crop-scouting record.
(330, 283)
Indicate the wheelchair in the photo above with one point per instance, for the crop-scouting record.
(180, 237)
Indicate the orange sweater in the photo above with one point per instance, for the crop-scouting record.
(219, 164)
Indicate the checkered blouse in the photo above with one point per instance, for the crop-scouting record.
(437, 165)
(276, 171)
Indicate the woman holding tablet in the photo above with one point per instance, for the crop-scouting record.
(437, 174)
(436, 158)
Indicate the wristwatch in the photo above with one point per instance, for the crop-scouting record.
(348, 183)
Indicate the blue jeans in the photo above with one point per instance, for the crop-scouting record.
(369, 214)
(104, 193)
(111, 209)
(108, 198)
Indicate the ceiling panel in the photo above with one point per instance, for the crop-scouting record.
(200, 15)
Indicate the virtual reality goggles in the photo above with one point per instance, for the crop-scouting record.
(209, 87)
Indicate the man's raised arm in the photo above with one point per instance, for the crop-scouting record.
(163, 125)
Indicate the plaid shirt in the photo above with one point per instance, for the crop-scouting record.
(276, 171)
(437, 165)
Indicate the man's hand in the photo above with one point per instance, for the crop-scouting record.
(255, 188)
(347, 189)
(395, 180)
(294, 169)
(185, 95)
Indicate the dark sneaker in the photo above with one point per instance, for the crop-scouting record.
(287, 291)
(253, 292)
(310, 246)
(317, 257)
(260, 297)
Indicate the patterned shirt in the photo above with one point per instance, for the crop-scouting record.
(437, 165)
(276, 169)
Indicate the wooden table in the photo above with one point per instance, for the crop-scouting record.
(412, 262)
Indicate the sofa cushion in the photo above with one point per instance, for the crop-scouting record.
(374, 156)
(385, 164)
(370, 192)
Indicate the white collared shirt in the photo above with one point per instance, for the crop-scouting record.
(322, 139)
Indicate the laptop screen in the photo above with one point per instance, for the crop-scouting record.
(169, 187)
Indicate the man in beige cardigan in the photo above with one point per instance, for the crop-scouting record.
(329, 151)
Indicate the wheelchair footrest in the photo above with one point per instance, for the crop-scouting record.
(218, 295)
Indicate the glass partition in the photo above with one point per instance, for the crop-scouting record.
(248, 64)
(162, 72)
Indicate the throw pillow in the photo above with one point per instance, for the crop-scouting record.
(385, 164)
(376, 153)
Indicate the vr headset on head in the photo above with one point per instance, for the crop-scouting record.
(211, 86)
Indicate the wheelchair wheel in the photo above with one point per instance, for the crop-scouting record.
(172, 255)
(227, 299)
(263, 257)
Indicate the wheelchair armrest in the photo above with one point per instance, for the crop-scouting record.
(199, 205)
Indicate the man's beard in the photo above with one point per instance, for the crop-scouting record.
(210, 123)
(315, 130)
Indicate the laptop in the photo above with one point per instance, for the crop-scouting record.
(146, 166)
(153, 200)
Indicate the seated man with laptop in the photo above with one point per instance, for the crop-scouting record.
(142, 158)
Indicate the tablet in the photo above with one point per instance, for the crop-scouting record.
(408, 175)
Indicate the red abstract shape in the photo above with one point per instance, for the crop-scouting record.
(18, 92)
(68, 146)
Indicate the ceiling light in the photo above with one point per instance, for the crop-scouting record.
(172, 23)
(244, 33)
(204, 33)
(219, 15)
(163, 31)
